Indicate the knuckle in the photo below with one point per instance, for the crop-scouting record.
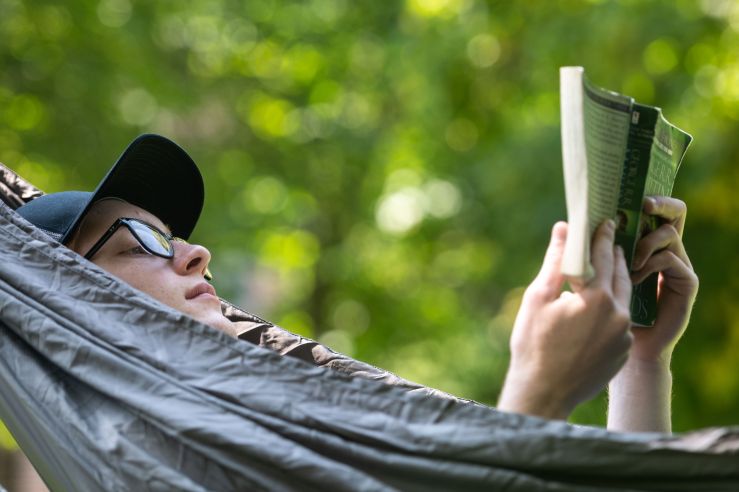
(669, 230)
(600, 296)
(622, 317)
(694, 280)
(534, 293)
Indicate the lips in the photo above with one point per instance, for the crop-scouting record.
(200, 289)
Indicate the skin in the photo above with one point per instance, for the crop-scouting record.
(639, 396)
(166, 280)
(566, 346)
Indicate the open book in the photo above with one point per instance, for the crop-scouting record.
(615, 151)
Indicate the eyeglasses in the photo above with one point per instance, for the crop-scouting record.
(149, 237)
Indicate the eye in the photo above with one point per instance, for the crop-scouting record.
(136, 250)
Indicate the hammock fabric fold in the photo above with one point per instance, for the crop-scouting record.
(105, 388)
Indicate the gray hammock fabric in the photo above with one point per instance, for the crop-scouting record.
(104, 388)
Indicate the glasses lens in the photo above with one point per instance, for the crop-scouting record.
(152, 239)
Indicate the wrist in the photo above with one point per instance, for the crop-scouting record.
(639, 397)
(643, 378)
(649, 364)
(522, 394)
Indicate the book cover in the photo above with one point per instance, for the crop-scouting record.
(615, 152)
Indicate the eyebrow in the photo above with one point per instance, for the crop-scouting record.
(166, 228)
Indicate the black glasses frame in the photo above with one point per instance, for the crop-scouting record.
(168, 252)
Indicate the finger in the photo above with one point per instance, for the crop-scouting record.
(668, 264)
(549, 280)
(602, 254)
(566, 294)
(670, 209)
(664, 237)
(621, 279)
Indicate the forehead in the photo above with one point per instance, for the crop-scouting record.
(104, 212)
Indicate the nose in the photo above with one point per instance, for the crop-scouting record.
(191, 258)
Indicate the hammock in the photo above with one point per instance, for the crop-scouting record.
(105, 388)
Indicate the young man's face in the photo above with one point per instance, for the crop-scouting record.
(177, 282)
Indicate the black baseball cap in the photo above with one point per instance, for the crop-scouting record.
(153, 173)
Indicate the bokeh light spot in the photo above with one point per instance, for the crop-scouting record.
(443, 198)
(138, 107)
(351, 316)
(265, 195)
(660, 56)
(114, 13)
(640, 87)
(338, 341)
(268, 117)
(483, 50)
(437, 8)
(295, 249)
(399, 212)
(24, 112)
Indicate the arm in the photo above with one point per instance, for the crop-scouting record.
(639, 395)
(565, 347)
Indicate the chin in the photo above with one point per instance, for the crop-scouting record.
(221, 323)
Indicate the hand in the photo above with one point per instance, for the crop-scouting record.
(565, 347)
(640, 394)
(662, 251)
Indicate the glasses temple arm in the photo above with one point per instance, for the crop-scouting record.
(99, 244)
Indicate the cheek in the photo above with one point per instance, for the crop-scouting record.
(160, 282)
(150, 278)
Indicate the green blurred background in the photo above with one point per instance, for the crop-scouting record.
(383, 175)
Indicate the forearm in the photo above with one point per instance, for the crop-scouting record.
(532, 396)
(639, 398)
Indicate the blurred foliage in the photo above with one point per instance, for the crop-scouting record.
(383, 176)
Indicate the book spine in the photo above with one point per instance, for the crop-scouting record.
(631, 224)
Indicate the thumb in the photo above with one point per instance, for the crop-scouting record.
(549, 281)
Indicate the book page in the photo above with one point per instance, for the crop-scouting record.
(595, 125)
(576, 255)
(614, 152)
(607, 116)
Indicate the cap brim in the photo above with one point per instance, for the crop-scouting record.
(157, 175)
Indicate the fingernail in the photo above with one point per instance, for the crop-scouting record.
(611, 224)
(650, 201)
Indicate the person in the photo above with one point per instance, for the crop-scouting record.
(565, 346)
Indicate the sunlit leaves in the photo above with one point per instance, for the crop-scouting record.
(383, 175)
(483, 50)
(404, 208)
(23, 112)
(138, 107)
(114, 13)
(660, 56)
(436, 8)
